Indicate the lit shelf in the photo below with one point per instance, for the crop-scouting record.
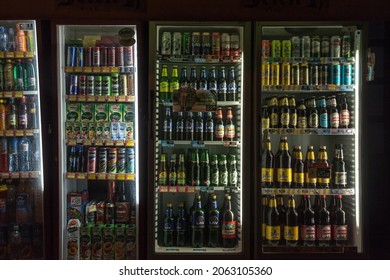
(100, 98)
(306, 249)
(168, 103)
(99, 69)
(17, 54)
(160, 249)
(192, 189)
(100, 176)
(309, 131)
(96, 142)
(312, 60)
(199, 58)
(290, 191)
(20, 175)
(307, 88)
(17, 94)
(18, 132)
(198, 144)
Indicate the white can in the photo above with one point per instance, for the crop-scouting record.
(176, 47)
(295, 46)
(305, 46)
(335, 46)
(225, 44)
(166, 43)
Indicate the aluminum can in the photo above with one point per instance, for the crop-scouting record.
(225, 44)
(323, 74)
(295, 46)
(88, 56)
(129, 55)
(123, 84)
(82, 85)
(71, 56)
(130, 161)
(166, 43)
(91, 163)
(335, 46)
(186, 43)
(305, 46)
(114, 84)
(276, 48)
(102, 166)
(195, 43)
(275, 70)
(314, 75)
(73, 84)
(265, 73)
(96, 56)
(346, 74)
(98, 85)
(130, 84)
(90, 85)
(206, 43)
(121, 163)
(335, 74)
(216, 43)
(120, 56)
(106, 85)
(235, 44)
(304, 74)
(112, 157)
(295, 74)
(111, 56)
(265, 48)
(325, 46)
(346, 46)
(79, 57)
(315, 46)
(286, 74)
(103, 56)
(286, 48)
(176, 43)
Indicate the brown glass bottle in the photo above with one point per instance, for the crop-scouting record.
(323, 180)
(339, 224)
(163, 171)
(272, 231)
(298, 169)
(308, 225)
(273, 112)
(339, 174)
(293, 112)
(323, 230)
(264, 212)
(282, 217)
(310, 176)
(283, 165)
(284, 117)
(122, 205)
(267, 164)
(219, 133)
(229, 226)
(291, 228)
(230, 130)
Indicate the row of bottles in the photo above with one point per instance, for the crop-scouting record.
(284, 170)
(306, 225)
(209, 226)
(19, 75)
(23, 115)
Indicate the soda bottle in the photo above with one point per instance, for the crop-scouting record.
(214, 171)
(199, 126)
(21, 40)
(179, 126)
(291, 234)
(169, 226)
(219, 127)
(172, 176)
(32, 118)
(223, 172)
(230, 131)
(12, 115)
(181, 172)
(22, 114)
(15, 243)
(233, 174)
(189, 127)
(19, 76)
(181, 226)
(167, 125)
(31, 75)
(1, 76)
(3, 115)
(9, 81)
(324, 232)
(197, 223)
(204, 168)
(24, 154)
(11, 202)
(164, 83)
(4, 167)
(229, 226)
(11, 40)
(3, 39)
(213, 222)
(13, 154)
(209, 127)
(308, 225)
(174, 82)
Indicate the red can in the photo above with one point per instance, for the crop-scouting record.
(111, 56)
(129, 56)
(82, 85)
(216, 43)
(88, 56)
(225, 44)
(91, 164)
(100, 212)
(265, 48)
(96, 56)
(120, 56)
(103, 56)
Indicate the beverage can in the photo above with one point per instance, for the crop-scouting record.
(130, 158)
(225, 44)
(265, 73)
(195, 43)
(114, 84)
(112, 160)
(286, 48)
(91, 164)
(121, 162)
(96, 56)
(129, 55)
(315, 46)
(79, 57)
(295, 46)
(275, 70)
(111, 56)
(88, 56)
(325, 46)
(306, 46)
(123, 85)
(98, 85)
(73, 84)
(71, 56)
(102, 166)
(304, 74)
(335, 46)
(206, 43)
(120, 56)
(106, 85)
(186, 43)
(336, 74)
(314, 74)
(346, 46)
(276, 48)
(235, 45)
(286, 73)
(82, 85)
(166, 43)
(295, 74)
(265, 48)
(103, 56)
(90, 85)
(346, 74)
(323, 75)
(216, 43)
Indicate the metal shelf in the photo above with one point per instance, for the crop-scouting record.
(100, 176)
(192, 189)
(100, 98)
(17, 54)
(313, 60)
(17, 94)
(284, 191)
(309, 131)
(306, 88)
(219, 250)
(197, 144)
(18, 132)
(210, 59)
(100, 69)
(305, 249)
(20, 175)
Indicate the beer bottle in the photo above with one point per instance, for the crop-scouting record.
(168, 124)
(205, 168)
(203, 79)
(312, 113)
(179, 126)
(283, 165)
(273, 112)
(213, 222)
(308, 226)
(284, 113)
(230, 131)
(172, 176)
(213, 83)
(32, 116)
(181, 226)
(219, 127)
(282, 217)
(334, 117)
(163, 171)
(181, 172)
(291, 232)
(272, 230)
(323, 224)
(169, 226)
(174, 82)
(229, 226)
(164, 83)
(294, 156)
(265, 121)
(222, 84)
(339, 224)
(298, 170)
(301, 112)
(223, 172)
(323, 181)
(231, 86)
(344, 112)
(189, 127)
(198, 223)
(310, 177)
(339, 174)
(267, 164)
(323, 114)
(214, 170)
(194, 83)
(195, 168)
(199, 126)
(209, 127)
(233, 174)
(264, 212)
(183, 77)
(293, 112)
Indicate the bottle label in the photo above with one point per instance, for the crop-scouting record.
(324, 232)
(189, 126)
(274, 119)
(264, 123)
(223, 178)
(219, 131)
(223, 87)
(267, 175)
(344, 117)
(334, 120)
(308, 233)
(232, 87)
(164, 86)
(302, 122)
(291, 233)
(198, 220)
(162, 178)
(172, 178)
(323, 180)
(213, 85)
(199, 126)
(263, 229)
(22, 207)
(310, 180)
(173, 86)
(213, 219)
(23, 147)
(324, 120)
(284, 175)
(180, 126)
(31, 83)
(299, 178)
(215, 178)
(167, 126)
(181, 225)
(230, 131)
(11, 119)
(293, 120)
(340, 178)
(285, 119)
(122, 210)
(23, 120)
(340, 232)
(229, 229)
(272, 232)
(209, 127)
(168, 225)
(313, 120)
(233, 178)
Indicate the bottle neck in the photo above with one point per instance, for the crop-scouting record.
(272, 203)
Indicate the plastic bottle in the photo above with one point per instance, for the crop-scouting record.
(13, 154)
(4, 167)
(11, 202)
(24, 155)
(3, 39)
(3, 115)
(22, 114)
(11, 40)
(9, 82)
(31, 75)
(19, 76)
(1, 75)
(23, 203)
(12, 122)
(21, 42)
(35, 157)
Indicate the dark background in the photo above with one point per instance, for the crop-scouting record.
(375, 97)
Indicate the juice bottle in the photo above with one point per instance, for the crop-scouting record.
(9, 81)
(3, 115)
(4, 167)
(21, 42)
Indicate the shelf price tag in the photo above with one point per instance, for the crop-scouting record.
(96, 70)
(120, 177)
(111, 98)
(72, 98)
(10, 133)
(172, 189)
(78, 69)
(101, 176)
(8, 94)
(101, 98)
(9, 54)
(109, 143)
(129, 143)
(130, 177)
(1, 132)
(91, 98)
(81, 98)
(111, 176)
(19, 132)
(105, 69)
(87, 69)
(29, 54)
(181, 189)
(98, 142)
(119, 143)
(70, 175)
(14, 175)
(190, 189)
(81, 175)
(91, 176)
(5, 175)
(163, 188)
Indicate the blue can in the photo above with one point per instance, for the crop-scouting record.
(130, 166)
(336, 74)
(71, 56)
(73, 84)
(79, 56)
(346, 73)
(13, 154)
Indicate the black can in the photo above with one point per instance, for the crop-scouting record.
(102, 165)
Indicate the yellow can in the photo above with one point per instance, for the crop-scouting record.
(265, 73)
(275, 70)
(286, 73)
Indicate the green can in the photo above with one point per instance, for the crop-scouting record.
(106, 85)
(276, 48)
(115, 84)
(286, 48)
(186, 43)
(98, 85)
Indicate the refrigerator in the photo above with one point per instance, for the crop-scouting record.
(309, 115)
(21, 169)
(198, 182)
(98, 132)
